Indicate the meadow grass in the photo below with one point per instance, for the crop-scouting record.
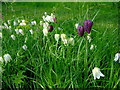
(48, 64)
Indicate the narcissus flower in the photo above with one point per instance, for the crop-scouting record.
(80, 31)
(24, 47)
(88, 25)
(117, 57)
(97, 73)
(50, 28)
(13, 37)
(57, 37)
(7, 58)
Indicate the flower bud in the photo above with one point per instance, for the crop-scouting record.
(88, 25)
(80, 30)
(50, 28)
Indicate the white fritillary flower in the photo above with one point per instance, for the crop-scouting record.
(7, 58)
(0, 35)
(1, 70)
(97, 73)
(8, 22)
(76, 25)
(21, 31)
(89, 38)
(65, 41)
(71, 41)
(45, 25)
(45, 32)
(92, 47)
(41, 22)
(14, 23)
(13, 37)
(26, 40)
(45, 13)
(43, 18)
(57, 37)
(1, 60)
(63, 36)
(17, 31)
(33, 22)
(22, 24)
(31, 31)
(117, 57)
(24, 47)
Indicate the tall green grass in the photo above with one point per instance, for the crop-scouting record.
(48, 64)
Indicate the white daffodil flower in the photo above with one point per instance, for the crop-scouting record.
(13, 37)
(7, 58)
(17, 31)
(24, 47)
(57, 37)
(21, 31)
(97, 73)
(31, 31)
(117, 57)
(71, 41)
(45, 32)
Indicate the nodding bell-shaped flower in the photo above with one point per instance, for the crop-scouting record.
(54, 18)
(7, 58)
(97, 73)
(117, 57)
(88, 25)
(50, 28)
(80, 31)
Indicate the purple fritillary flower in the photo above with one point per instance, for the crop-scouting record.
(80, 31)
(50, 28)
(88, 25)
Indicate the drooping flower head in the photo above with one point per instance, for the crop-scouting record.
(117, 57)
(50, 28)
(97, 73)
(88, 25)
(80, 31)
